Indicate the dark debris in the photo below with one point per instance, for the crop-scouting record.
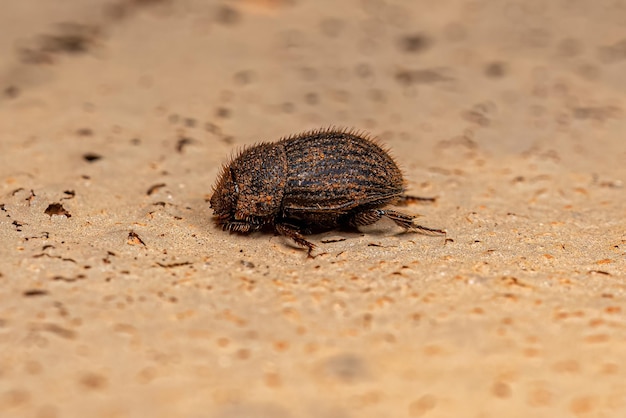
(57, 209)
(35, 292)
(154, 188)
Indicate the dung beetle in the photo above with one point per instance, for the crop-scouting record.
(311, 182)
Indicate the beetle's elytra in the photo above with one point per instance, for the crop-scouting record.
(311, 182)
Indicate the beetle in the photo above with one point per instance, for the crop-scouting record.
(311, 182)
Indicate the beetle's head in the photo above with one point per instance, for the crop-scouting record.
(249, 189)
(225, 196)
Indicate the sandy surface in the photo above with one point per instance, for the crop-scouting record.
(120, 298)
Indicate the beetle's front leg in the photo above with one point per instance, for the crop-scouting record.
(238, 226)
(292, 232)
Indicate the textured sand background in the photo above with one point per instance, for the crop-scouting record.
(120, 298)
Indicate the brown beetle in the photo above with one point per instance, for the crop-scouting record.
(311, 182)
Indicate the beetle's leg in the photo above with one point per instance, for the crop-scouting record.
(406, 221)
(368, 217)
(291, 232)
(237, 226)
(406, 200)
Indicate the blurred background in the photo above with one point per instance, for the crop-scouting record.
(249, 70)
